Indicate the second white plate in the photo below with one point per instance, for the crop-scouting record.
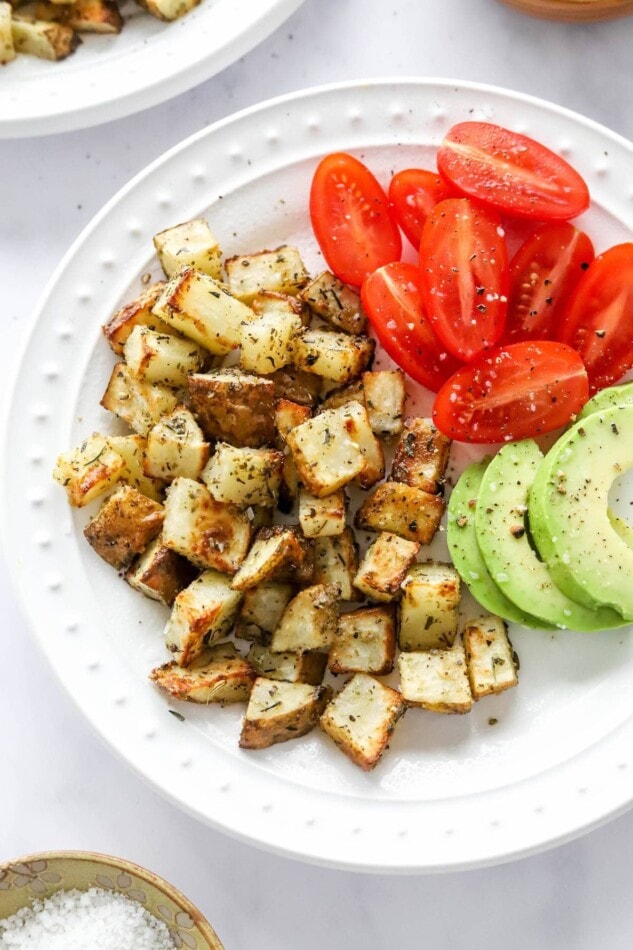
(528, 768)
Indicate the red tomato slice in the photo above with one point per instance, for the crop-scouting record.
(413, 193)
(543, 274)
(515, 392)
(511, 172)
(464, 276)
(391, 299)
(351, 219)
(598, 322)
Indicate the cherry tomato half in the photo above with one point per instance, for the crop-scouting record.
(598, 322)
(511, 172)
(464, 276)
(391, 299)
(413, 193)
(543, 274)
(514, 392)
(351, 219)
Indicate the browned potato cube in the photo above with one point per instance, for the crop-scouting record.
(384, 566)
(278, 553)
(281, 271)
(361, 718)
(219, 675)
(410, 512)
(207, 532)
(244, 476)
(342, 396)
(175, 447)
(124, 526)
(429, 609)
(365, 642)
(160, 573)
(326, 451)
(293, 383)
(308, 622)
(202, 613)
(289, 415)
(138, 403)
(436, 680)
(53, 41)
(336, 563)
(136, 313)
(335, 302)
(421, 456)
(84, 16)
(335, 356)
(385, 397)
(235, 407)
(322, 517)
(132, 448)
(262, 609)
(290, 667)
(491, 662)
(271, 302)
(89, 470)
(190, 244)
(279, 711)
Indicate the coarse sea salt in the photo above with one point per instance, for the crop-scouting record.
(96, 919)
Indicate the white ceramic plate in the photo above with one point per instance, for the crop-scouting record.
(526, 769)
(113, 76)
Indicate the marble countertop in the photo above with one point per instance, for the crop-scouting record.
(60, 787)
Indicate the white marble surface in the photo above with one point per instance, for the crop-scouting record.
(59, 786)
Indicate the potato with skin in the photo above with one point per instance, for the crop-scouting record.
(220, 674)
(421, 456)
(295, 384)
(202, 614)
(277, 553)
(336, 563)
(278, 711)
(308, 622)
(52, 41)
(262, 609)
(290, 667)
(385, 397)
(136, 313)
(491, 661)
(124, 526)
(401, 509)
(235, 407)
(384, 566)
(160, 573)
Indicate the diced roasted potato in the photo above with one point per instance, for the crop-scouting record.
(85, 16)
(160, 573)
(52, 41)
(289, 415)
(436, 680)
(89, 470)
(168, 9)
(365, 642)
(277, 553)
(131, 448)
(262, 609)
(290, 667)
(308, 622)
(295, 384)
(335, 302)
(220, 674)
(384, 566)
(267, 342)
(176, 447)
(421, 456)
(124, 526)
(361, 718)
(191, 244)
(7, 49)
(335, 356)
(342, 396)
(162, 358)
(200, 308)
(244, 476)
(270, 302)
(289, 488)
(138, 403)
(429, 609)
(207, 532)
(359, 429)
(490, 660)
(385, 398)
(202, 613)
(410, 512)
(235, 407)
(321, 517)
(136, 313)
(279, 711)
(336, 563)
(281, 271)
(326, 451)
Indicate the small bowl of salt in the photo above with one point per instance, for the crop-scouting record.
(74, 900)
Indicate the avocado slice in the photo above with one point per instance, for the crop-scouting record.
(588, 556)
(504, 541)
(606, 398)
(465, 553)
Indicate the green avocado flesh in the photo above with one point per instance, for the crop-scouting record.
(606, 398)
(465, 553)
(585, 546)
(501, 528)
